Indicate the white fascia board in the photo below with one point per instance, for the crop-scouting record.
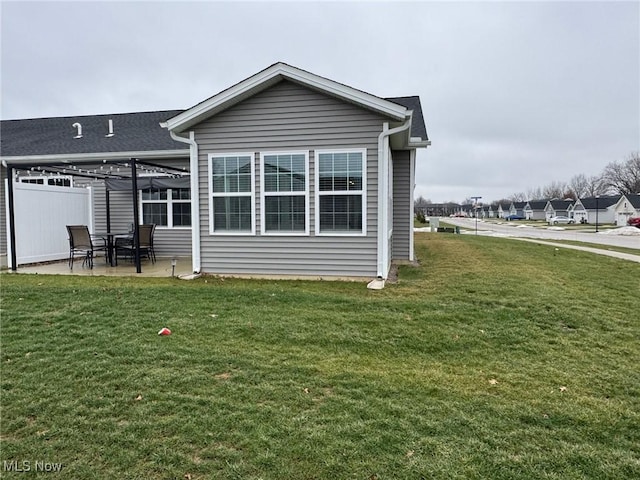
(70, 158)
(270, 76)
(417, 142)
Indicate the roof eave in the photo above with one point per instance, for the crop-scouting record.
(271, 76)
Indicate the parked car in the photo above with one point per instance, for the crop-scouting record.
(514, 217)
(634, 222)
(560, 219)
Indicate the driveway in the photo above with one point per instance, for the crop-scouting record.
(521, 230)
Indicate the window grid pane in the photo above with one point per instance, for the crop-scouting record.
(284, 173)
(285, 213)
(181, 214)
(231, 214)
(154, 213)
(340, 213)
(340, 172)
(231, 174)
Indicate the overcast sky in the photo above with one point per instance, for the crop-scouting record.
(515, 95)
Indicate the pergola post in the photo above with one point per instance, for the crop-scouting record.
(12, 219)
(136, 219)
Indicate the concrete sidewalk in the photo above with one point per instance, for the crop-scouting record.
(599, 251)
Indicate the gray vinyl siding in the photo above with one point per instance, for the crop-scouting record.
(282, 118)
(3, 219)
(402, 227)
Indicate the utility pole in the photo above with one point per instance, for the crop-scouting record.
(475, 207)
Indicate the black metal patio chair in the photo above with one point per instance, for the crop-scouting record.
(81, 242)
(125, 245)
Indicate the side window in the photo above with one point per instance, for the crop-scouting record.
(166, 207)
(231, 192)
(285, 193)
(341, 192)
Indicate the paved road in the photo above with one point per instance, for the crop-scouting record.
(519, 230)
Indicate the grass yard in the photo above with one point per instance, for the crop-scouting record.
(614, 248)
(493, 360)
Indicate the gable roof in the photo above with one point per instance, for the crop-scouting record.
(133, 132)
(537, 204)
(634, 200)
(399, 108)
(589, 203)
(560, 204)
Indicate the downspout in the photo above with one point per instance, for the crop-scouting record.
(412, 183)
(383, 193)
(195, 197)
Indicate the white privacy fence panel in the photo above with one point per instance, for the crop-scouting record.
(41, 215)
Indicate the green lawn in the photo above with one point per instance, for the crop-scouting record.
(614, 248)
(493, 360)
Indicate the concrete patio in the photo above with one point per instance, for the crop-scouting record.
(162, 268)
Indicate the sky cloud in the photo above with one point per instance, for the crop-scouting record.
(515, 94)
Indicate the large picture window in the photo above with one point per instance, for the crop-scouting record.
(285, 189)
(231, 193)
(166, 207)
(341, 192)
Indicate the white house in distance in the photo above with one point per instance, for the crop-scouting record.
(584, 209)
(627, 206)
(535, 210)
(555, 208)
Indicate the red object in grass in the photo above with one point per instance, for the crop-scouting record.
(164, 331)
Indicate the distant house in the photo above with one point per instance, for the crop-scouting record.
(584, 209)
(503, 209)
(555, 208)
(441, 209)
(517, 208)
(627, 206)
(467, 209)
(535, 210)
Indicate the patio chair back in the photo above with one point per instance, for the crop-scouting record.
(80, 242)
(126, 246)
(79, 237)
(145, 233)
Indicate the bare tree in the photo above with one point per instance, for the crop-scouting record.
(535, 194)
(420, 205)
(596, 186)
(554, 189)
(579, 185)
(518, 197)
(624, 177)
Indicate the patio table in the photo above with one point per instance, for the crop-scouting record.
(111, 244)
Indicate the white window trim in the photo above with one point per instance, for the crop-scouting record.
(169, 202)
(251, 194)
(263, 194)
(362, 192)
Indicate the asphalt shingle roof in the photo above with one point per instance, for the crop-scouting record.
(538, 204)
(418, 128)
(589, 203)
(134, 132)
